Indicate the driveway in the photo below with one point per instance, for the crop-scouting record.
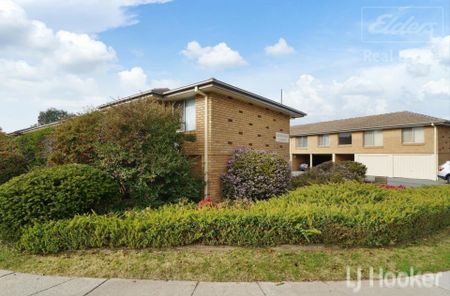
(21, 284)
(413, 182)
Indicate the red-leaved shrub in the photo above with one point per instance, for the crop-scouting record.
(206, 202)
(386, 186)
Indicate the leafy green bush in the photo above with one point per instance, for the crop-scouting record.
(3, 138)
(11, 164)
(8, 159)
(53, 193)
(19, 154)
(253, 174)
(137, 144)
(74, 140)
(347, 214)
(140, 147)
(331, 172)
(34, 146)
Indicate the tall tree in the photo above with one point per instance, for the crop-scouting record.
(52, 115)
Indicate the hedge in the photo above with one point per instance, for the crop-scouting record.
(34, 146)
(138, 144)
(331, 172)
(349, 214)
(12, 164)
(53, 193)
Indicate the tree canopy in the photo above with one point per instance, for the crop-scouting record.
(52, 115)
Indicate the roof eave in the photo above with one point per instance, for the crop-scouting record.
(128, 99)
(34, 128)
(212, 82)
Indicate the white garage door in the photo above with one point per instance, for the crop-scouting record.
(377, 164)
(417, 166)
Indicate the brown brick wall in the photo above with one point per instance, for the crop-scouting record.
(443, 144)
(236, 123)
(196, 147)
(239, 124)
(233, 123)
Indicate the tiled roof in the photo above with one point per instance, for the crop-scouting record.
(380, 121)
(164, 92)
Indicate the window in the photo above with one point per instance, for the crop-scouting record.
(413, 135)
(324, 141)
(301, 142)
(188, 117)
(373, 138)
(345, 139)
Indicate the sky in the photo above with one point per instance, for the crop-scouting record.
(332, 59)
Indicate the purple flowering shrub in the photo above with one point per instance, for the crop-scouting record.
(255, 174)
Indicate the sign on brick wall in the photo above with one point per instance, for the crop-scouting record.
(281, 138)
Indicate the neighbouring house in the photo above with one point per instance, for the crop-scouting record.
(222, 117)
(400, 144)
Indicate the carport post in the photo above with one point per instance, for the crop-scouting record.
(333, 157)
(310, 160)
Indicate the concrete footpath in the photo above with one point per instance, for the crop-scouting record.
(21, 284)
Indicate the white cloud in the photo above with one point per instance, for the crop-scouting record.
(219, 56)
(357, 85)
(18, 69)
(135, 78)
(79, 52)
(51, 50)
(142, 2)
(441, 48)
(437, 88)
(309, 95)
(164, 83)
(421, 60)
(41, 68)
(417, 82)
(36, 43)
(417, 55)
(84, 16)
(279, 48)
(16, 29)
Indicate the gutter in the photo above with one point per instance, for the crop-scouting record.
(34, 128)
(205, 144)
(212, 82)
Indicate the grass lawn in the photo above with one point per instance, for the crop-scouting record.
(289, 263)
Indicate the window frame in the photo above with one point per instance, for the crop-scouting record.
(298, 142)
(413, 135)
(374, 132)
(345, 144)
(321, 137)
(182, 105)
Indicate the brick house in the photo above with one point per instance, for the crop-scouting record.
(399, 144)
(223, 117)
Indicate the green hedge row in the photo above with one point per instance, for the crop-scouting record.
(58, 192)
(347, 214)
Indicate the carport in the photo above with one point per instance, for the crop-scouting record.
(321, 158)
(298, 159)
(344, 157)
